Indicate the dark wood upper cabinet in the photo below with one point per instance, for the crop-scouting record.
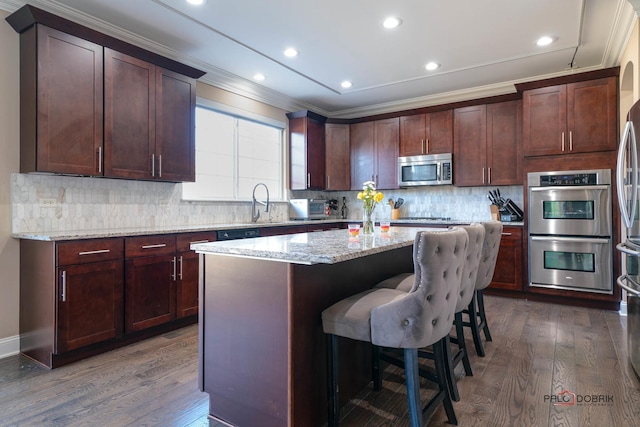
(374, 153)
(61, 103)
(68, 72)
(470, 145)
(486, 147)
(571, 118)
(149, 121)
(338, 164)
(175, 126)
(429, 133)
(307, 151)
(129, 117)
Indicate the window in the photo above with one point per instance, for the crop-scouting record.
(235, 153)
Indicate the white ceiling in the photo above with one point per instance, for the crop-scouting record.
(484, 46)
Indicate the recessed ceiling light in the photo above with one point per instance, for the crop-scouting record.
(391, 22)
(544, 41)
(290, 52)
(346, 84)
(432, 66)
(196, 2)
(259, 77)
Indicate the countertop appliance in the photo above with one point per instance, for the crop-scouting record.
(627, 186)
(309, 209)
(570, 229)
(429, 169)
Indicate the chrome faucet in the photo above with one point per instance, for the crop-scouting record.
(256, 214)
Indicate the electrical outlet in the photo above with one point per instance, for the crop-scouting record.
(48, 202)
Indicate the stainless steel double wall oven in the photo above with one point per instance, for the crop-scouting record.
(570, 229)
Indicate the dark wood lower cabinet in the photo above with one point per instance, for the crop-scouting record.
(90, 306)
(150, 286)
(508, 272)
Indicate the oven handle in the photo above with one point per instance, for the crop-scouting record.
(627, 250)
(569, 239)
(628, 135)
(571, 188)
(632, 291)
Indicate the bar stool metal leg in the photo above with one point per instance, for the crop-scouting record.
(483, 316)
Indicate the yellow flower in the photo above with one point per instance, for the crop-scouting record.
(360, 195)
(379, 197)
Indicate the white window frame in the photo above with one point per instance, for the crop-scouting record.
(248, 116)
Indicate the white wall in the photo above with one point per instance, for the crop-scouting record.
(9, 159)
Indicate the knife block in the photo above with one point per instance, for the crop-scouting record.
(495, 212)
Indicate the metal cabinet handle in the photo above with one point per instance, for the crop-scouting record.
(489, 175)
(483, 175)
(570, 140)
(99, 251)
(173, 261)
(160, 165)
(153, 165)
(507, 234)
(328, 181)
(563, 142)
(99, 159)
(63, 294)
(428, 146)
(180, 271)
(160, 245)
(308, 179)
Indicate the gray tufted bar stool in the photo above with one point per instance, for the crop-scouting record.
(403, 282)
(397, 319)
(476, 312)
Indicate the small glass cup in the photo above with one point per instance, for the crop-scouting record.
(384, 226)
(354, 230)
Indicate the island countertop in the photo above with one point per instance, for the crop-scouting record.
(320, 247)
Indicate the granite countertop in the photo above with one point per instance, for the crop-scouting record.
(169, 229)
(324, 247)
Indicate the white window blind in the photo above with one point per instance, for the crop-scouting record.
(233, 154)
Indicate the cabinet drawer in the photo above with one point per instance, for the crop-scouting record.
(184, 240)
(149, 245)
(512, 233)
(84, 251)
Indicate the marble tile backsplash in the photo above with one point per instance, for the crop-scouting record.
(49, 203)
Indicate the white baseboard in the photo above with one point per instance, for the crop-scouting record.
(9, 346)
(623, 308)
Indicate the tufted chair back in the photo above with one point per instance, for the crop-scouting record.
(470, 273)
(492, 236)
(425, 314)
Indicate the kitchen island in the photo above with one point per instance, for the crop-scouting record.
(262, 349)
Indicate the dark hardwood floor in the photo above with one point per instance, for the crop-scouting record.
(538, 350)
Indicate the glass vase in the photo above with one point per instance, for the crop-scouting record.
(368, 220)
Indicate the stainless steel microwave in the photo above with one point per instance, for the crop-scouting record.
(430, 169)
(308, 209)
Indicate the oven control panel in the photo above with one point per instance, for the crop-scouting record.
(569, 179)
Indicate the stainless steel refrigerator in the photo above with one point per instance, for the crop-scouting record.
(627, 184)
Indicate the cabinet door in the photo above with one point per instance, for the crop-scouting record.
(150, 289)
(187, 285)
(440, 132)
(175, 126)
(592, 112)
(90, 304)
(544, 120)
(469, 145)
(508, 272)
(504, 143)
(307, 154)
(386, 137)
(362, 154)
(69, 105)
(129, 117)
(337, 156)
(413, 135)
